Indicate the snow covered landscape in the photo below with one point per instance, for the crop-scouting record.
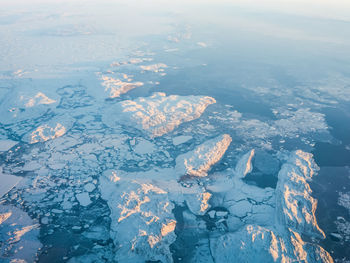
(142, 132)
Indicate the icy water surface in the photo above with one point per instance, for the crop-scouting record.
(174, 132)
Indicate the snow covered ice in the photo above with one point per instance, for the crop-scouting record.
(158, 114)
(136, 132)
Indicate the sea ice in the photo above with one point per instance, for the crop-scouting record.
(199, 161)
(5, 145)
(8, 181)
(117, 87)
(83, 198)
(295, 204)
(259, 244)
(144, 147)
(18, 235)
(20, 105)
(54, 128)
(274, 222)
(157, 114)
(142, 221)
(181, 139)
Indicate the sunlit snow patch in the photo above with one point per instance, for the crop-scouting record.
(117, 87)
(296, 206)
(259, 244)
(142, 221)
(158, 114)
(54, 128)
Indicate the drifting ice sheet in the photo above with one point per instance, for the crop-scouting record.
(199, 161)
(158, 114)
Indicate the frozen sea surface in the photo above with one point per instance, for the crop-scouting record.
(161, 131)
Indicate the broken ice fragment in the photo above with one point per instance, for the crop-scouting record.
(89, 187)
(83, 198)
(181, 139)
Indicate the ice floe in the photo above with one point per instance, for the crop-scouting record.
(158, 114)
(144, 147)
(296, 206)
(8, 181)
(181, 139)
(199, 161)
(142, 221)
(54, 128)
(83, 198)
(117, 87)
(5, 145)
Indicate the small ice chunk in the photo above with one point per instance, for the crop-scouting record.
(6, 145)
(132, 142)
(144, 147)
(89, 187)
(221, 213)
(181, 139)
(83, 198)
(56, 211)
(211, 214)
(44, 220)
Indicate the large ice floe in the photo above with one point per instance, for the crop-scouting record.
(142, 221)
(157, 114)
(199, 161)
